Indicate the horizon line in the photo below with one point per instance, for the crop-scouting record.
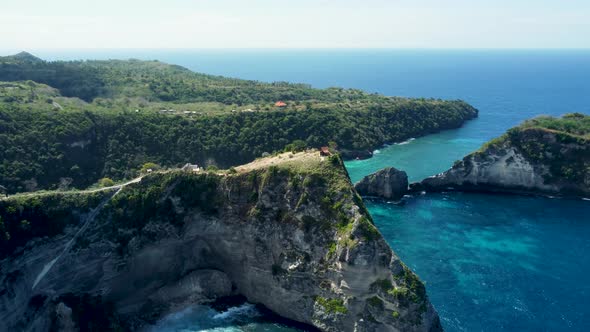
(30, 50)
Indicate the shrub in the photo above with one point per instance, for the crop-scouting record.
(149, 166)
(105, 182)
(332, 305)
(375, 302)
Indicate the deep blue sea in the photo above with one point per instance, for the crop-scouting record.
(490, 262)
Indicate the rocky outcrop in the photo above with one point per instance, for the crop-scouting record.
(291, 235)
(355, 154)
(524, 161)
(388, 183)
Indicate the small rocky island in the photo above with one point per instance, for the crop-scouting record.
(545, 155)
(388, 183)
(288, 232)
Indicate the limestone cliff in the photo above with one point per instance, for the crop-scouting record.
(388, 183)
(287, 232)
(530, 159)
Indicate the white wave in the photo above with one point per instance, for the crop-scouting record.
(219, 329)
(246, 309)
(376, 151)
(405, 142)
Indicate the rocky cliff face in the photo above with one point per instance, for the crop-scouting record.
(525, 160)
(288, 233)
(388, 183)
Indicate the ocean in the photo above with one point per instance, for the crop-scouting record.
(490, 262)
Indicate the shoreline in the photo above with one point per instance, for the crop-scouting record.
(418, 188)
(349, 155)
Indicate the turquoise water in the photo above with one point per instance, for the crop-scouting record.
(491, 262)
(496, 263)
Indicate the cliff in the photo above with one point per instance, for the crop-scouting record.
(543, 156)
(388, 183)
(288, 232)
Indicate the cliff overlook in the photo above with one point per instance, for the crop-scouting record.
(288, 232)
(544, 155)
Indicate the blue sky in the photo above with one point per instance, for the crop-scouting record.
(42, 24)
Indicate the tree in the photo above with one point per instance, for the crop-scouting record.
(149, 166)
(296, 146)
(105, 182)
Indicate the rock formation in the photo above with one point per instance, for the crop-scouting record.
(388, 183)
(526, 160)
(289, 233)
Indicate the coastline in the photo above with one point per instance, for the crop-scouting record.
(362, 154)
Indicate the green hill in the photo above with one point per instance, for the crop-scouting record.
(73, 123)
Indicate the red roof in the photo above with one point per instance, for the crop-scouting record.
(325, 149)
(280, 104)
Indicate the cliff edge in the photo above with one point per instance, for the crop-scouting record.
(545, 155)
(288, 232)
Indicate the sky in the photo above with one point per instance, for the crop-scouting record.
(195, 24)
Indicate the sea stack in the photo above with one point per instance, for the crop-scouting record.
(388, 183)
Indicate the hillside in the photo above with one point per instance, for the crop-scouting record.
(158, 81)
(544, 155)
(58, 135)
(288, 232)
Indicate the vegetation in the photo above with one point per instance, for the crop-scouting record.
(162, 197)
(105, 182)
(110, 124)
(409, 288)
(375, 302)
(138, 204)
(167, 196)
(332, 305)
(26, 217)
(567, 155)
(576, 124)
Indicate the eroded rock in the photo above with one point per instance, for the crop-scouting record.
(388, 183)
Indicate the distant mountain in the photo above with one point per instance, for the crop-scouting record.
(26, 56)
(22, 57)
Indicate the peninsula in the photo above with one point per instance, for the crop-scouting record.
(543, 156)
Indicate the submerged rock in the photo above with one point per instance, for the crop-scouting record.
(529, 159)
(289, 233)
(388, 183)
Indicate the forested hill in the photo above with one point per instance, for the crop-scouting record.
(83, 121)
(158, 81)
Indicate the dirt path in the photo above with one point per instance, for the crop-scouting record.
(71, 192)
